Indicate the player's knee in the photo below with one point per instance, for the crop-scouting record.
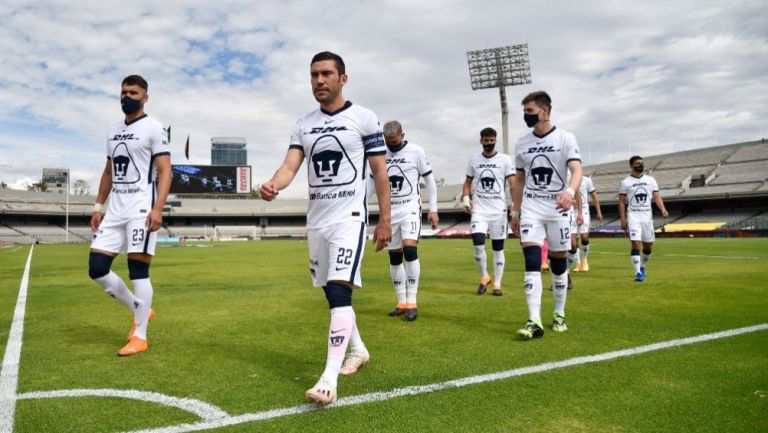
(532, 257)
(395, 258)
(647, 251)
(558, 265)
(138, 270)
(98, 265)
(584, 242)
(497, 244)
(338, 295)
(478, 239)
(635, 252)
(410, 253)
(573, 250)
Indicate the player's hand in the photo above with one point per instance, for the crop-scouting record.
(433, 219)
(579, 218)
(600, 216)
(624, 226)
(564, 202)
(154, 220)
(664, 213)
(95, 221)
(382, 235)
(514, 224)
(467, 204)
(268, 191)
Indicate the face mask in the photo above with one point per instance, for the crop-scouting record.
(531, 119)
(396, 147)
(489, 147)
(129, 105)
(639, 168)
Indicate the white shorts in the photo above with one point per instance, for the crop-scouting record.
(556, 231)
(584, 226)
(574, 223)
(124, 235)
(407, 227)
(495, 225)
(641, 231)
(336, 253)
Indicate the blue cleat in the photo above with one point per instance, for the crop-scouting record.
(642, 271)
(639, 277)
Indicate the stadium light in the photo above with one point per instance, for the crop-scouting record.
(500, 67)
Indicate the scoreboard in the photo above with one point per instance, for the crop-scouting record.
(210, 179)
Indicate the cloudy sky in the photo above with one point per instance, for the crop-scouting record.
(625, 77)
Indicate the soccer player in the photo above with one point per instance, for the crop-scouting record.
(586, 191)
(337, 139)
(635, 193)
(136, 179)
(540, 210)
(487, 177)
(406, 163)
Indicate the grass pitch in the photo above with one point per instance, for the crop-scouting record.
(239, 326)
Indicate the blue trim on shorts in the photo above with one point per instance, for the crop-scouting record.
(360, 240)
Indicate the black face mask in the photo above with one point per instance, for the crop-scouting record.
(396, 147)
(639, 168)
(129, 105)
(489, 147)
(531, 119)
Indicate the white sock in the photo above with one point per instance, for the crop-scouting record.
(355, 342)
(144, 292)
(498, 267)
(412, 272)
(646, 258)
(339, 333)
(559, 286)
(573, 258)
(636, 263)
(532, 286)
(585, 251)
(397, 272)
(116, 288)
(481, 260)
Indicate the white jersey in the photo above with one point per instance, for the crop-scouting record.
(404, 169)
(585, 189)
(639, 192)
(335, 146)
(544, 160)
(132, 149)
(489, 179)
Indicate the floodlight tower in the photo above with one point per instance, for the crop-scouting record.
(500, 67)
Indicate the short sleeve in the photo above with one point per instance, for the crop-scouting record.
(655, 186)
(590, 186)
(295, 142)
(572, 149)
(159, 141)
(509, 170)
(623, 190)
(372, 135)
(470, 169)
(425, 168)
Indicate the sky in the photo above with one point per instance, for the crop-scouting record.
(625, 77)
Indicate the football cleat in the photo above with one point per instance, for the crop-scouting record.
(323, 393)
(577, 267)
(483, 285)
(642, 271)
(497, 291)
(396, 312)
(133, 326)
(135, 345)
(639, 277)
(584, 266)
(545, 266)
(530, 330)
(411, 314)
(353, 361)
(558, 324)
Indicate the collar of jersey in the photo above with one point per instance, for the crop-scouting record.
(496, 152)
(549, 132)
(135, 120)
(333, 113)
(641, 176)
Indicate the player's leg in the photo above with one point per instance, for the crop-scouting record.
(648, 237)
(584, 249)
(573, 252)
(558, 233)
(141, 248)
(396, 269)
(479, 228)
(410, 234)
(498, 233)
(545, 256)
(108, 241)
(532, 236)
(635, 237)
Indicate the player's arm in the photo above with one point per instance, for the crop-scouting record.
(466, 189)
(511, 185)
(623, 210)
(517, 200)
(660, 203)
(383, 232)
(155, 217)
(565, 199)
(105, 186)
(577, 209)
(284, 174)
(596, 201)
(432, 216)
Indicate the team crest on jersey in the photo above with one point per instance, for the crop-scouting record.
(488, 183)
(399, 184)
(124, 170)
(330, 163)
(641, 196)
(544, 175)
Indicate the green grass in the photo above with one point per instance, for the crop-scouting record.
(239, 325)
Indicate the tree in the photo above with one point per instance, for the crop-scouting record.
(3, 185)
(38, 186)
(81, 187)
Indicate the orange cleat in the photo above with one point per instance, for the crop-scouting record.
(135, 345)
(133, 326)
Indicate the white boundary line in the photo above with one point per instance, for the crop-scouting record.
(699, 256)
(202, 409)
(9, 373)
(456, 383)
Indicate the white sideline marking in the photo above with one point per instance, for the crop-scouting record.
(700, 256)
(9, 372)
(202, 409)
(456, 383)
